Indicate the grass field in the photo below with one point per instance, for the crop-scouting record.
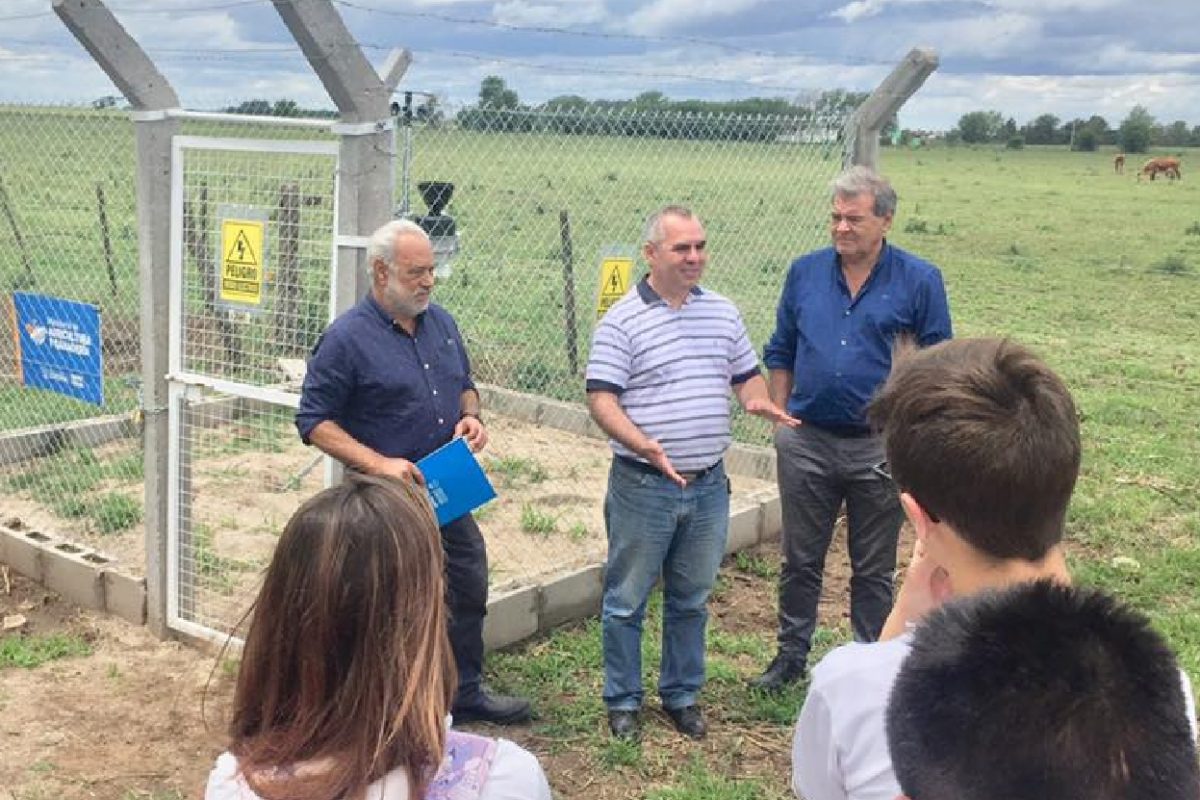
(1097, 272)
(1101, 275)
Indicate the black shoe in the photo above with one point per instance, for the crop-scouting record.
(689, 721)
(624, 724)
(497, 709)
(784, 671)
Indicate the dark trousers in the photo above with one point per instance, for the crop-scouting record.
(817, 471)
(466, 596)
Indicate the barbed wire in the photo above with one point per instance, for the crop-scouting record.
(588, 68)
(603, 35)
(33, 15)
(291, 51)
(188, 9)
(505, 26)
(160, 10)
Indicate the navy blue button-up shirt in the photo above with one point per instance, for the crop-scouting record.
(395, 393)
(839, 347)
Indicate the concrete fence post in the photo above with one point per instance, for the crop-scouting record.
(150, 95)
(367, 151)
(866, 123)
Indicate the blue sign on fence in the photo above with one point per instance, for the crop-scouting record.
(59, 346)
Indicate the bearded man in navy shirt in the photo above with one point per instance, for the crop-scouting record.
(841, 313)
(388, 383)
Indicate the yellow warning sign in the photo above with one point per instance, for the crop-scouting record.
(614, 282)
(242, 268)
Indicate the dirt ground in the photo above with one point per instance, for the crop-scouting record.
(248, 477)
(141, 719)
(123, 722)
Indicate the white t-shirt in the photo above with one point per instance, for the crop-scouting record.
(515, 775)
(839, 749)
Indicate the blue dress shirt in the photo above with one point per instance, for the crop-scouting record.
(397, 394)
(839, 347)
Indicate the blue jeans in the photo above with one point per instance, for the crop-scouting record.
(655, 527)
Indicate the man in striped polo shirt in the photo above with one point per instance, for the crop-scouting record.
(663, 362)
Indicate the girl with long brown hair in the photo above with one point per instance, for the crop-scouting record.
(347, 675)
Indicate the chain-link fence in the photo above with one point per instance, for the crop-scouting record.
(68, 231)
(539, 198)
(251, 283)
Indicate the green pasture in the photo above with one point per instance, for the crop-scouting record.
(1101, 275)
(51, 163)
(508, 289)
(1097, 272)
(760, 201)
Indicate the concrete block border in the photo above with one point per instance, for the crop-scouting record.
(92, 579)
(80, 574)
(520, 613)
(515, 616)
(45, 440)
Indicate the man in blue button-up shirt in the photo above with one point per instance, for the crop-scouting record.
(388, 383)
(842, 311)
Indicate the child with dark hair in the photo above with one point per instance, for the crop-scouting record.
(347, 675)
(1040, 691)
(982, 443)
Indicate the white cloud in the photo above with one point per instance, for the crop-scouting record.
(563, 13)
(992, 36)
(1122, 56)
(199, 31)
(662, 16)
(399, 5)
(1044, 6)
(38, 79)
(865, 9)
(860, 9)
(945, 98)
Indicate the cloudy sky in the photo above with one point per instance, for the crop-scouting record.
(1072, 58)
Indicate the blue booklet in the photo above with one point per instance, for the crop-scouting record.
(455, 481)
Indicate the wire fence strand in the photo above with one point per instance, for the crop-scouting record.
(540, 199)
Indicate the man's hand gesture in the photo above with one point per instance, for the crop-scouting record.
(770, 412)
(654, 453)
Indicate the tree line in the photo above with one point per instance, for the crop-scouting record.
(1137, 133)
(819, 118)
(279, 108)
(653, 114)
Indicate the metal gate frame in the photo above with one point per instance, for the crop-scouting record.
(183, 385)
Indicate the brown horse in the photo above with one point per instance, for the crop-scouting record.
(1166, 165)
(1119, 164)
